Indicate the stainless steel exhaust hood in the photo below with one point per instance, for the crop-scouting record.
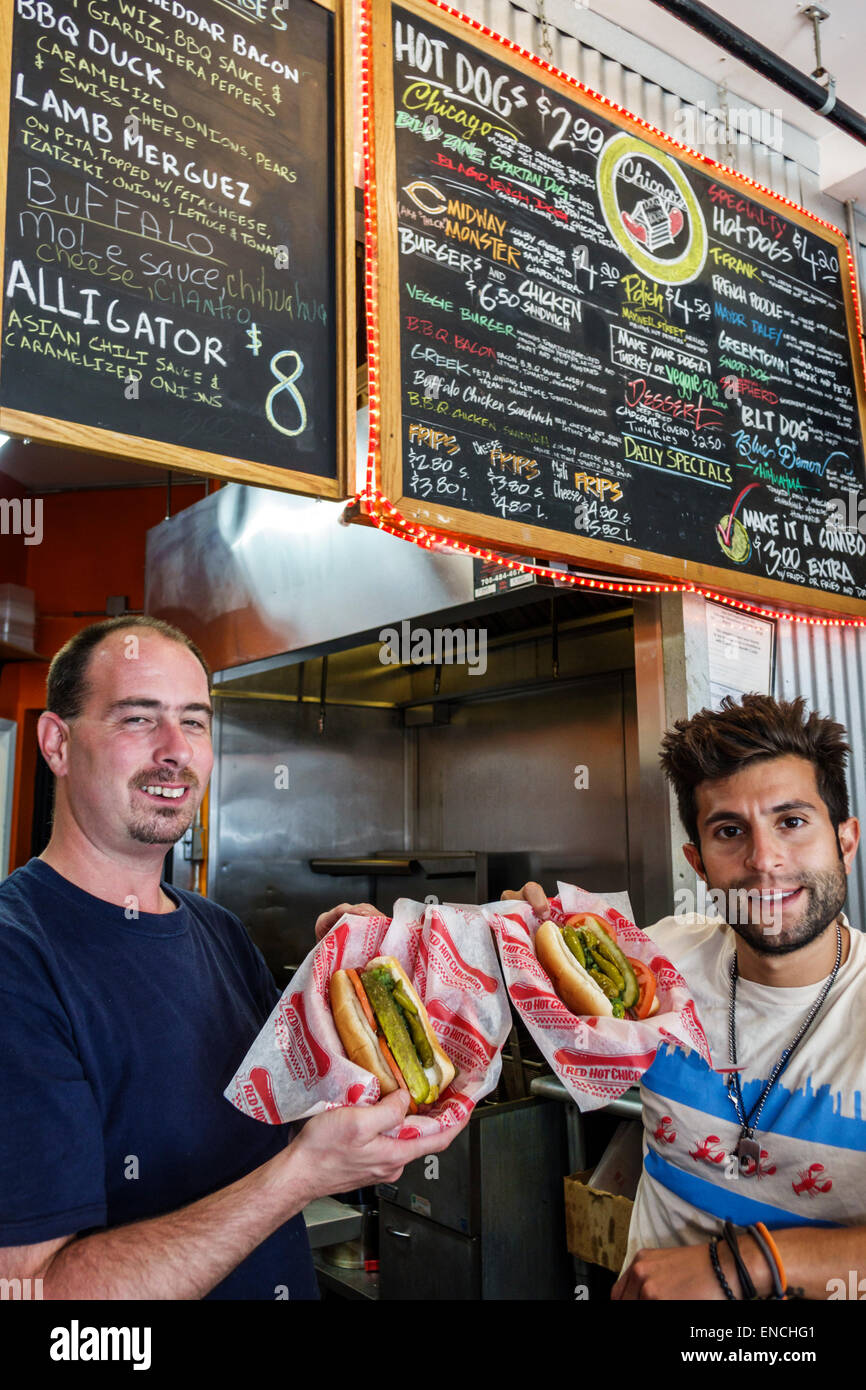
(249, 574)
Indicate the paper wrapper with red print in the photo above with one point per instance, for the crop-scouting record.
(597, 1059)
(297, 1067)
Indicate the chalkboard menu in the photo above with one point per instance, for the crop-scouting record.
(597, 345)
(175, 266)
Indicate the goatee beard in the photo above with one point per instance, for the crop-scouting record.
(826, 891)
(161, 827)
(150, 830)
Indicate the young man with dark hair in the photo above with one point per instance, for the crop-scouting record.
(125, 1008)
(756, 1177)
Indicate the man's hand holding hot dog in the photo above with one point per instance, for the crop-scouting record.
(344, 1149)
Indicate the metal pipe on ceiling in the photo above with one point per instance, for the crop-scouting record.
(741, 45)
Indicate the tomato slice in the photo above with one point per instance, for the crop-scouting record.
(589, 919)
(646, 981)
(362, 999)
(398, 1075)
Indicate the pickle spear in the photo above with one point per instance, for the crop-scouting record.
(397, 1036)
(420, 1039)
(605, 984)
(605, 964)
(573, 942)
(603, 947)
(416, 1029)
(403, 999)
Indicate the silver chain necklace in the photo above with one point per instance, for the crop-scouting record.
(747, 1148)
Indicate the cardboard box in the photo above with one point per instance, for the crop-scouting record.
(596, 1222)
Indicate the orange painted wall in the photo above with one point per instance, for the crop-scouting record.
(93, 546)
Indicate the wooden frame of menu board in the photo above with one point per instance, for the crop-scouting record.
(691, 297)
(169, 249)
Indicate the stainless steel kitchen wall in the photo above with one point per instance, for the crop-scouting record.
(285, 793)
(828, 667)
(501, 777)
(534, 771)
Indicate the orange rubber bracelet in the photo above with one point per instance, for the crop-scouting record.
(774, 1251)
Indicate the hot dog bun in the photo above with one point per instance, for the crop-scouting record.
(362, 1041)
(574, 985)
(356, 1035)
(444, 1065)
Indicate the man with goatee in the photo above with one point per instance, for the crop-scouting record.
(754, 1169)
(127, 1006)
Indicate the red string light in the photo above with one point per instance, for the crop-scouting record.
(372, 500)
(403, 530)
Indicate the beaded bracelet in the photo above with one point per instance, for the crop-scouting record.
(717, 1266)
(746, 1284)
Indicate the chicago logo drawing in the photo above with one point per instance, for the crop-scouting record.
(651, 210)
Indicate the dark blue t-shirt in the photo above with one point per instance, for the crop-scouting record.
(117, 1040)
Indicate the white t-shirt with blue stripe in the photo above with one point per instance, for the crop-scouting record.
(812, 1129)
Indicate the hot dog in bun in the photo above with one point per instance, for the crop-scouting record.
(384, 1028)
(589, 971)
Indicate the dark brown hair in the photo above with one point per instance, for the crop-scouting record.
(67, 675)
(718, 743)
